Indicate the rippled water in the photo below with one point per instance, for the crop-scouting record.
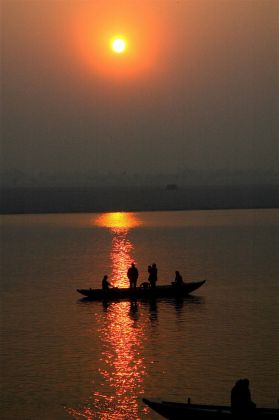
(63, 357)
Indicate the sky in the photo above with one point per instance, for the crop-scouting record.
(196, 87)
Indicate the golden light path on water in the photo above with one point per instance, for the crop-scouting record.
(119, 224)
(122, 337)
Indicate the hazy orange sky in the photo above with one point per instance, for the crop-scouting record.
(196, 88)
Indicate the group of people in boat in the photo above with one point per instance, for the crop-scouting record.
(133, 275)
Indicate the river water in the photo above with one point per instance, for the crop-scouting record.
(65, 358)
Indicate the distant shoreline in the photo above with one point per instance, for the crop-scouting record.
(135, 199)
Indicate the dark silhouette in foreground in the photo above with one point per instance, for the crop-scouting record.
(241, 402)
(242, 407)
(133, 275)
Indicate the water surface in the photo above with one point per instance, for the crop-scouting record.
(63, 357)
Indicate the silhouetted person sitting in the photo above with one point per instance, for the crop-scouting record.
(106, 284)
(178, 281)
(133, 275)
(241, 402)
(152, 270)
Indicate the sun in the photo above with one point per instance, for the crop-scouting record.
(118, 45)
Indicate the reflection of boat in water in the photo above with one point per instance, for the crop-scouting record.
(141, 292)
(176, 411)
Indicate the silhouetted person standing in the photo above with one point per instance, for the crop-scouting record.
(241, 402)
(133, 275)
(153, 271)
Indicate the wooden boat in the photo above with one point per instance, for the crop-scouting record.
(141, 292)
(176, 411)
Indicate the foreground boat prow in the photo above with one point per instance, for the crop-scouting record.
(178, 411)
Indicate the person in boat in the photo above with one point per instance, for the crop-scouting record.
(133, 275)
(153, 275)
(178, 281)
(241, 402)
(106, 284)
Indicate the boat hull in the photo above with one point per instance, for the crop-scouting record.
(177, 411)
(140, 292)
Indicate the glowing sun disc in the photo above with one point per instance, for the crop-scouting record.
(118, 45)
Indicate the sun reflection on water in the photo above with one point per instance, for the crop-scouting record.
(121, 258)
(119, 224)
(118, 220)
(121, 365)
